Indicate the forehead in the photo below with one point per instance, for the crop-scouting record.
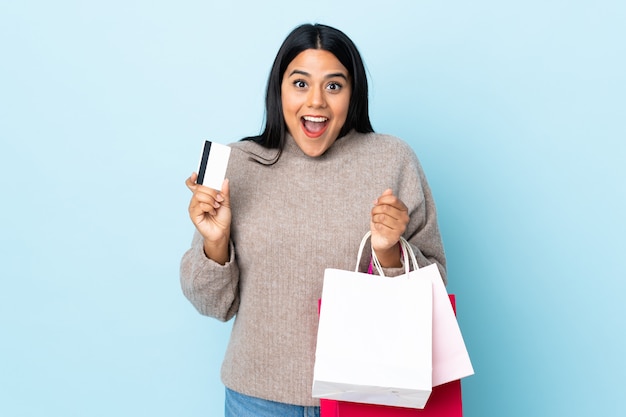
(316, 62)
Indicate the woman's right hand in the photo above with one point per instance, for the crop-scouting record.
(209, 211)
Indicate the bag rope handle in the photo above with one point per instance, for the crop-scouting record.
(408, 256)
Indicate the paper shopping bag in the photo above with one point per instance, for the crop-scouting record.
(374, 342)
(444, 401)
(450, 357)
(451, 360)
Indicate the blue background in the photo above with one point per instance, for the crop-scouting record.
(517, 111)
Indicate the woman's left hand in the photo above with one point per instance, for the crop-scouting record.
(390, 217)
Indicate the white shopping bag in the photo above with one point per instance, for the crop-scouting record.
(450, 357)
(451, 360)
(374, 342)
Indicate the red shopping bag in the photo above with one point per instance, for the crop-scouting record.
(444, 401)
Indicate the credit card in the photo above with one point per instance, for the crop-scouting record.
(213, 164)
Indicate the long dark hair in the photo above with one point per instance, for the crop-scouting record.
(314, 36)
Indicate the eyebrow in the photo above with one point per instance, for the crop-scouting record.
(327, 76)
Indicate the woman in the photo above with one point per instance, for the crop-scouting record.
(298, 199)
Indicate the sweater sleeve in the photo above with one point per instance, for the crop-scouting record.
(422, 232)
(213, 289)
(423, 229)
(411, 186)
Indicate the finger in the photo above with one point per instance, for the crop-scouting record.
(392, 201)
(397, 212)
(388, 225)
(383, 222)
(206, 208)
(387, 197)
(191, 182)
(224, 196)
(206, 197)
(387, 192)
(388, 217)
(201, 203)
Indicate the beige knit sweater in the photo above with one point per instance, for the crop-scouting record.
(290, 221)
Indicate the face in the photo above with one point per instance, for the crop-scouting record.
(315, 95)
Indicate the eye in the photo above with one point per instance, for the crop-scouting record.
(334, 86)
(299, 84)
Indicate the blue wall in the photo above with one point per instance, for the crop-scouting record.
(516, 109)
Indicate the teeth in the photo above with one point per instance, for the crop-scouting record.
(315, 119)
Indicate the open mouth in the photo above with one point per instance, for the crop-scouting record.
(314, 126)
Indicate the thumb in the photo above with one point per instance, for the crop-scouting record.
(387, 192)
(225, 193)
(191, 182)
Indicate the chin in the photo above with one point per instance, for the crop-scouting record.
(314, 153)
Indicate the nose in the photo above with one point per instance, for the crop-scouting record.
(316, 98)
